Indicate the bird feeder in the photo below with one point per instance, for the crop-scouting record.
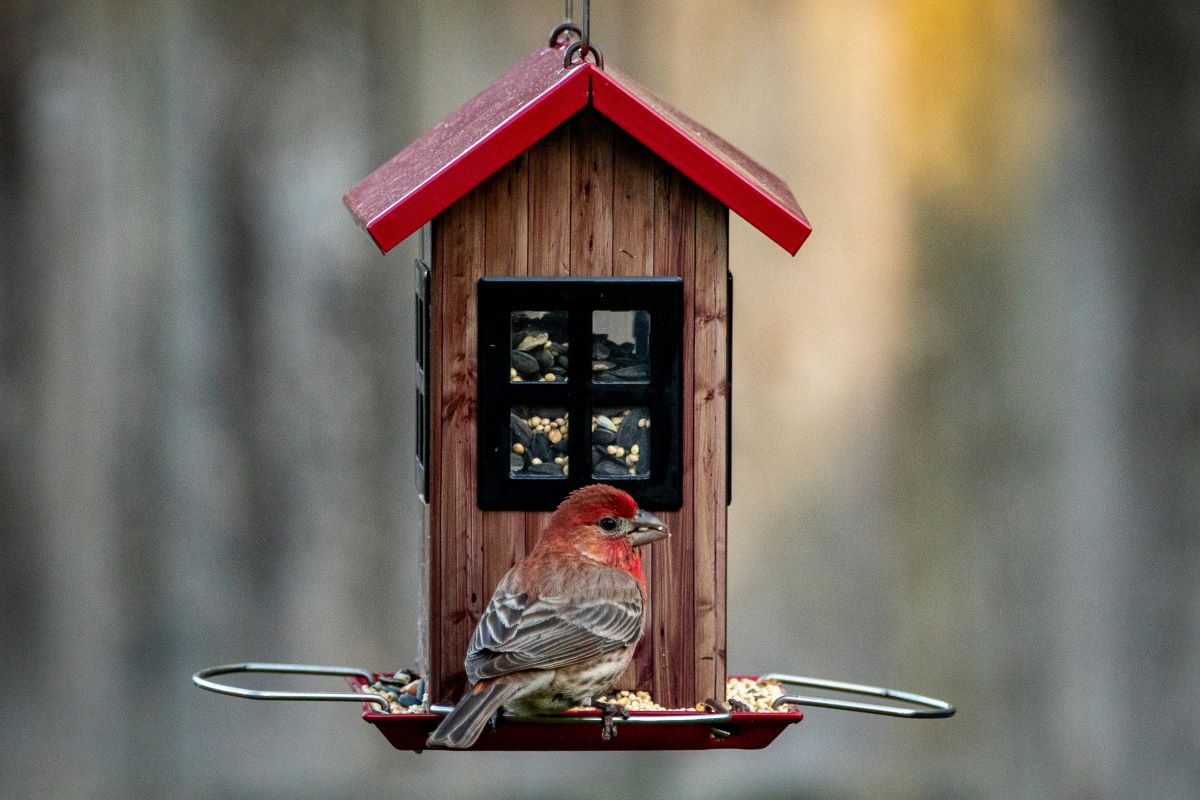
(574, 314)
(573, 326)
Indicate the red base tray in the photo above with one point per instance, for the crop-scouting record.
(747, 731)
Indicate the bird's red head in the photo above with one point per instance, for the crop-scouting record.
(606, 524)
(590, 504)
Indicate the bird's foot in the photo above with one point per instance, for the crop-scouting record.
(608, 715)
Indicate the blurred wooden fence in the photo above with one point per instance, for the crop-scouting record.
(972, 427)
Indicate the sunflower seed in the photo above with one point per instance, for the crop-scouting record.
(524, 363)
(533, 340)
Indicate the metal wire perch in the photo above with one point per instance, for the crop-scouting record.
(202, 677)
(930, 707)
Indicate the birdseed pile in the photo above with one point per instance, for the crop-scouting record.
(747, 694)
(406, 694)
(741, 694)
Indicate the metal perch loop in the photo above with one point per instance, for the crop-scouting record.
(931, 708)
(201, 679)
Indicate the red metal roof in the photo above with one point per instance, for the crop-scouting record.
(529, 101)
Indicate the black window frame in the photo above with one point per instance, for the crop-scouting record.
(662, 394)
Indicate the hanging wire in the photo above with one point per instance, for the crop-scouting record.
(586, 35)
(567, 26)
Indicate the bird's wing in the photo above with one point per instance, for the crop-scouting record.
(518, 632)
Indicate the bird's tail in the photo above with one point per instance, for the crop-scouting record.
(462, 726)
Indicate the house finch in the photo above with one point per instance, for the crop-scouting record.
(563, 623)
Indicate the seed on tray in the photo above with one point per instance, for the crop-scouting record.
(407, 694)
(753, 695)
(398, 679)
(404, 690)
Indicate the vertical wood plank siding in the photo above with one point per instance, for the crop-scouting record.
(506, 252)
(709, 398)
(587, 200)
(633, 254)
(591, 186)
(458, 529)
(671, 587)
(549, 237)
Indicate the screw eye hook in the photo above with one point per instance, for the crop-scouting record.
(578, 37)
(566, 26)
(577, 47)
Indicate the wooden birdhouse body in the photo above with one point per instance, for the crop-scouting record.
(575, 307)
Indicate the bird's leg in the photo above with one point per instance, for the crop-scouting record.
(608, 714)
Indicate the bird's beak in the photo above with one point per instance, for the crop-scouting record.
(648, 528)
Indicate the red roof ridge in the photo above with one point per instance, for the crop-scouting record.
(529, 101)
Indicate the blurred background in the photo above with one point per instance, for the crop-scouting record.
(967, 420)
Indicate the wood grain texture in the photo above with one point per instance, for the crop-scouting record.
(672, 590)
(505, 252)
(459, 259)
(633, 254)
(633, 207)
(549, 205)
(709, 397)
(591, 195)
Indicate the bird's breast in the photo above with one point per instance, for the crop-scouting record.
(575, 684)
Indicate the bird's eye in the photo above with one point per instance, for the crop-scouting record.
(608, 523)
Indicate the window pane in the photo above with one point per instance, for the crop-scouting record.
(620, 346)
(538, 442)
(539, 346)
(621, 443)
